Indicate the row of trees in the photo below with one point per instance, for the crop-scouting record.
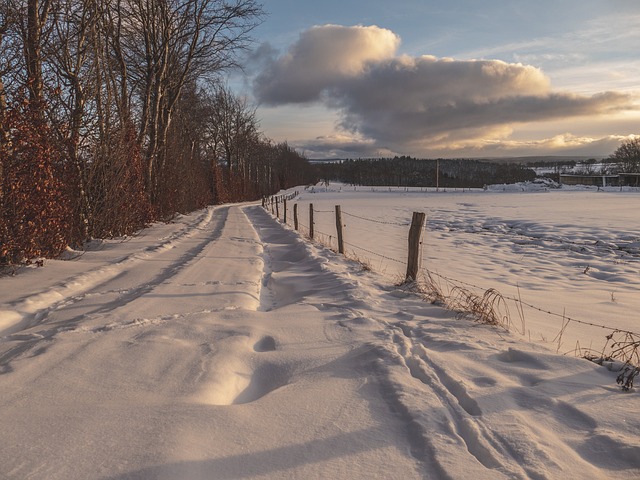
(407, 171)
(112, 115)
(412, 172)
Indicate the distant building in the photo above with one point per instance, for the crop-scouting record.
(620, 179)
(595, 180)
(630, 179)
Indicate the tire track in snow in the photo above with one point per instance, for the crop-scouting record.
(35, 309)
(29, 341)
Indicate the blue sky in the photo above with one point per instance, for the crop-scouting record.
(456, 78)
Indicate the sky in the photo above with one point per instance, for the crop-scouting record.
(461, 78)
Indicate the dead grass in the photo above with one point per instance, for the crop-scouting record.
(432, 289)
(490, 308)
(621, 349)
(363, 262)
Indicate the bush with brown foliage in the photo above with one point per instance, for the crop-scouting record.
(35, 209)
(117, 193)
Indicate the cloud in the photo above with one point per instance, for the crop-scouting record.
(342, 146)
(565, 144)
(500, 146)
(323, 56)
(404, 103)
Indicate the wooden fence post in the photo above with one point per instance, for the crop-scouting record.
(415, 234)
(295, 216)
(277, 209)
(311, 221)
(285, 210)
(339, 229)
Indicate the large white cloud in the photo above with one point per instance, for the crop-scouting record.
(322, 57)
(411, 103)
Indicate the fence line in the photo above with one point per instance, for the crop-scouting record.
(454, 282)
(376, 254)
(448, 279)
(405, 224)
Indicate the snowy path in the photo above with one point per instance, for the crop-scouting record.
(223, 346)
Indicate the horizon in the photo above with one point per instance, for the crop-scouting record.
(514, 159)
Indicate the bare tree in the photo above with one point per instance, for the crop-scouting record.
(178, 42)
(4, 133)
(5, 21)
(627, 156)
(71, 55)
(33, 30)
(232, 122)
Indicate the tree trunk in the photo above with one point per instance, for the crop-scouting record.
(37, 13)
(5, 139)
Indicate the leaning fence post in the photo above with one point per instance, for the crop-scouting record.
(295, 216)
(413, 260)
(339, 229)
(311, 221)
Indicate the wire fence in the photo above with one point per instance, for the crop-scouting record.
(329, 240)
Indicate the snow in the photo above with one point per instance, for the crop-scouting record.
(225, 345)
(574, 252)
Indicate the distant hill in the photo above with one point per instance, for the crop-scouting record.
(517, 160)
(544, 158)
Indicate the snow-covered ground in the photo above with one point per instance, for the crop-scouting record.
(572, 252)
(224, 345)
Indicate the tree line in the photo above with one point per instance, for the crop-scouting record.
(412, 172)
(113, 114)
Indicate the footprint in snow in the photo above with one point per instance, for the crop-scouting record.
(265, 344)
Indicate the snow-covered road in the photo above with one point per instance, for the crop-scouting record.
(224, 346)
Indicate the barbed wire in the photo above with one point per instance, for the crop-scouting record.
(382, 222)
(330, 237)
(522, 302)
(375, 253)
(453, 280)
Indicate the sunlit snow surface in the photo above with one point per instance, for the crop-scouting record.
(224, 345)
(574, 252)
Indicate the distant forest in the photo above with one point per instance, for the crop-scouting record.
(412, 172)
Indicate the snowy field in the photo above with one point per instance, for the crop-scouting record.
(572, 252)
(223, 345)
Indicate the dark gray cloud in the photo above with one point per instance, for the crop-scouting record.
(403, 103)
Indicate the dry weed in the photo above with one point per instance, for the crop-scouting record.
(489, 308)
(364, 262)
(623, 348)
(520, 310)
(432, 289)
